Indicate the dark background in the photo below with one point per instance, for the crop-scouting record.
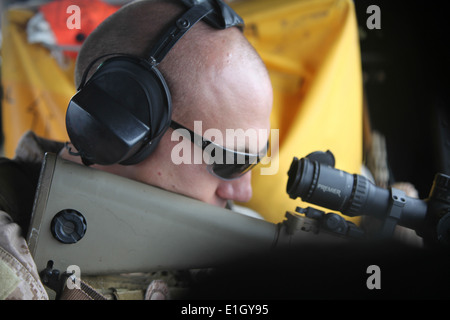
(406, 68)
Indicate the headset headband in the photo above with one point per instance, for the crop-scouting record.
(198, 11)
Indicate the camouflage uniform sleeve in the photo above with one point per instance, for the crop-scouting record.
(19, 278)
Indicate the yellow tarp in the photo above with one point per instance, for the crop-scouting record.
(310, 47)
(36, 88)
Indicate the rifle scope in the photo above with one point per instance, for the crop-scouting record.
(315, 180)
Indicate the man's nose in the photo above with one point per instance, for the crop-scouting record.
(237, 190)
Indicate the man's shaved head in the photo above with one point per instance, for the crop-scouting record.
(135, 28)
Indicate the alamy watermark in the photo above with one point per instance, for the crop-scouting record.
(374, 280)
(374, 20)
(74, 20)
(74, 280)
(252, 140)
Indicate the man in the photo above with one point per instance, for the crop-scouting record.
(214, 76)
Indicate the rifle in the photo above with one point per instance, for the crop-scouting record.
(107, 224)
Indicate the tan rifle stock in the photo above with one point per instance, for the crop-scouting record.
(134, 227)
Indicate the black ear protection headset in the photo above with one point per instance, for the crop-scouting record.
(121, 113)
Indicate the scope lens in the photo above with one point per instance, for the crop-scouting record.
(301, 174)
(325, 186)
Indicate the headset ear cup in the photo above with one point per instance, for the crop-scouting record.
(120, 114)
(160, 115)
(144, 152)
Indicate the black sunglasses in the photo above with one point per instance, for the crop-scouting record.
(231, 164)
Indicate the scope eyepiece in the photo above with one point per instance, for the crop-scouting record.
(315, 180)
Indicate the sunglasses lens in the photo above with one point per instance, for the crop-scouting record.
(223, 163)
(235, 166)
(230, 171)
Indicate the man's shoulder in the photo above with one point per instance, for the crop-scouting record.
(19, 280)
(32, 148)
